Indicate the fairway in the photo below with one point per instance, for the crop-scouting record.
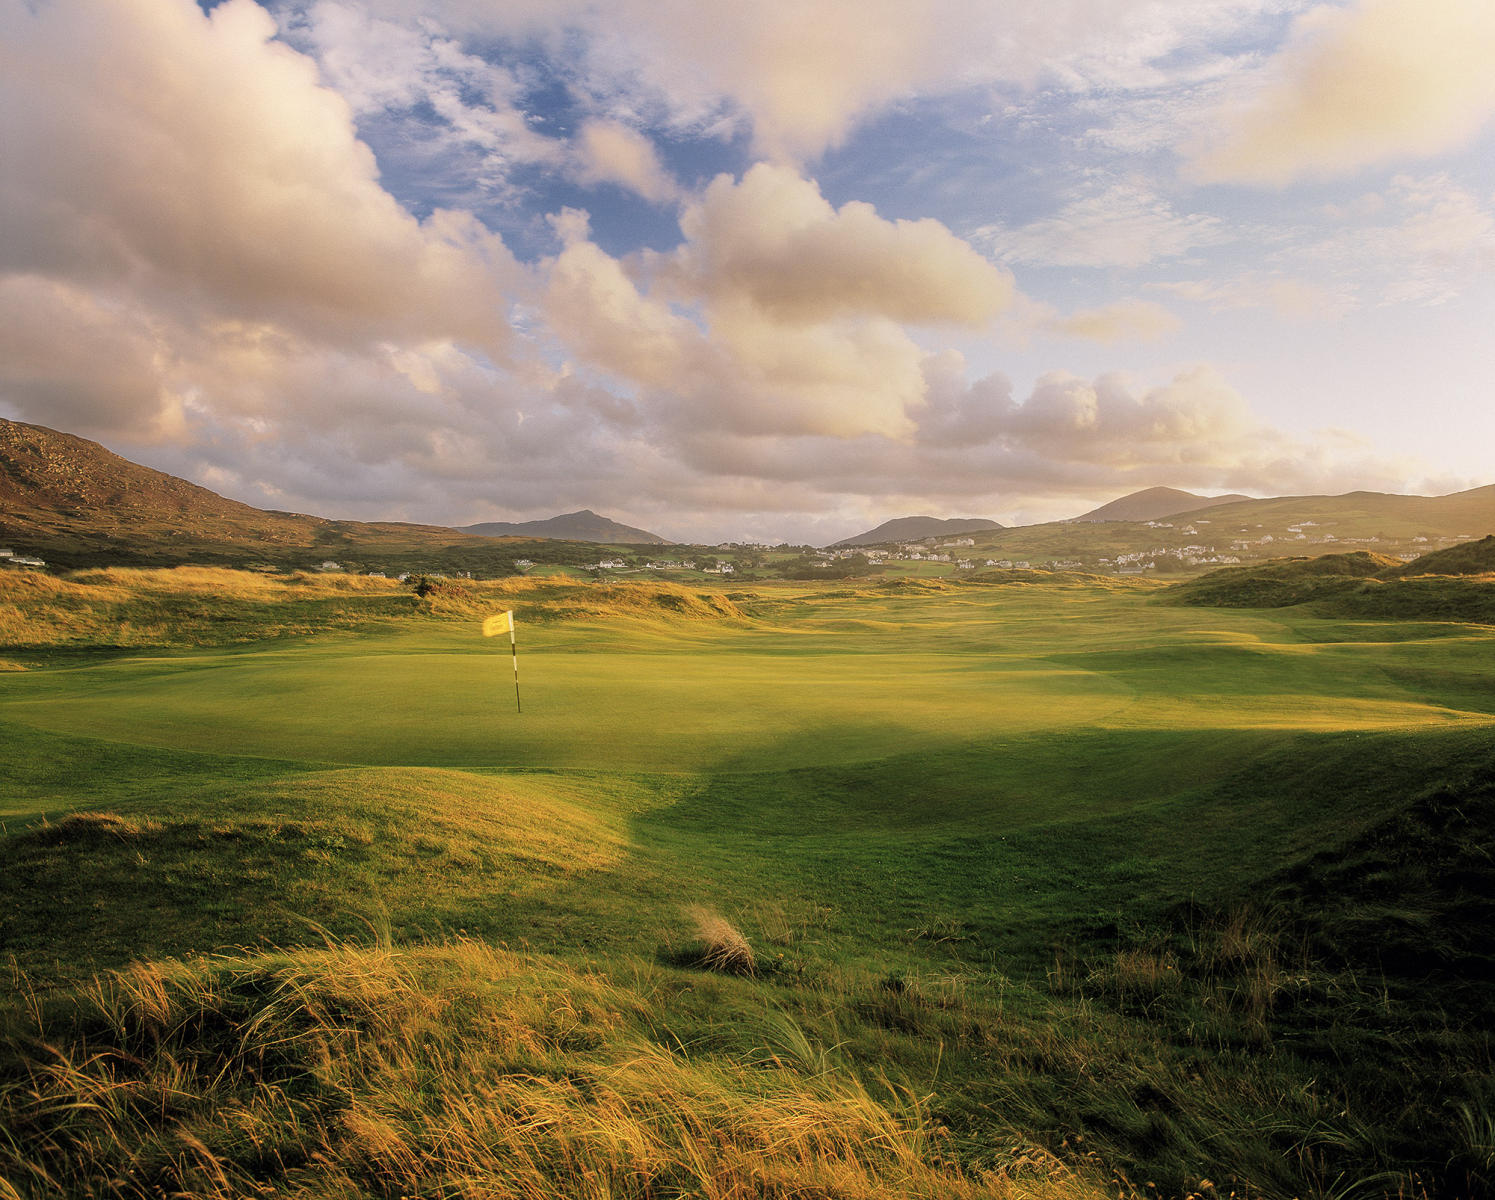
(970, 829)
(846, 682)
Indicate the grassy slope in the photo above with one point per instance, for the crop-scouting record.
(990, 840)
(1456, 584)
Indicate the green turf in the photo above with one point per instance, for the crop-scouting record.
(895, 790)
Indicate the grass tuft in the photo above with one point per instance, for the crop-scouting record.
(720, 945)
(92, 828)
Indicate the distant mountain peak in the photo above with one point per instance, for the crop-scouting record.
(1151, 503)
(584, 525)
(913, 529)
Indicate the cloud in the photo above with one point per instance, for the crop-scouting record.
(1072, 440)
(202, 260)
(1124, 224)
(198, 163)
(1374, 82)
(771, 240)
(610, 152)
(69, 360)
(1121, 321)
(778, 313)
(1289, 297)
(434, 109)
(801, 76)
(1194, 419)
(1423, 240)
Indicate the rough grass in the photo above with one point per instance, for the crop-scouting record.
(206, 606)
(415, 850)
(187, 606)
(719, 945)
(1467, 558)
(1063, 865)
(551, 598)
(1457, 584)
(452, 1070)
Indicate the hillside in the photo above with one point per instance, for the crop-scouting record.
(1456, 584)
(1284, 582)
(1468, 558)
(51, 480)
(1464, 515)
(1250, 531)
(73, 503)
(913, 529)
(1152, 503)
(583, 526)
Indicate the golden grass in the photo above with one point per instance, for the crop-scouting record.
(534, 820)
(552, 598)
(128, 606)
(138, 607)
(720, 945)
(94, 827)
(459, 1070)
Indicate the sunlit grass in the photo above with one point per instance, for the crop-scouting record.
(1035, 870)
(454, 1069)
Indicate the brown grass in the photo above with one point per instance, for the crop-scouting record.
(134, 607)
(720, 945)
(460, 1070)
(91, 827)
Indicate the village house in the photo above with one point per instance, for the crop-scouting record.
(9, 558)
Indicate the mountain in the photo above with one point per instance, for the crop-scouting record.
(73, 503)
(914, 529)
(583, 526)
(53, 484)
(1152, 503)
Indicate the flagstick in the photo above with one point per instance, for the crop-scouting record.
(514, 649)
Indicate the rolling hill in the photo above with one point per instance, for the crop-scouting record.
(583, 526)
(73, 503)
(1455, 584)
(912, 529)
(1152, 503)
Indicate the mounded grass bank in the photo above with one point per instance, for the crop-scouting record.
(140, 608)
(1457, 584)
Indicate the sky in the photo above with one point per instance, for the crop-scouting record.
(758, 270)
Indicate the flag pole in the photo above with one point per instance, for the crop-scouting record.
(495, 625)
(514, 650)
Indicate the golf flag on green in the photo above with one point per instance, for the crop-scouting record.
(495, 625)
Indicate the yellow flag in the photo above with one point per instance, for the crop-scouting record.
(498, 623)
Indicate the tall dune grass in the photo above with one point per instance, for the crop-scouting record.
(201, 606)
(457, 1070)
(186, 606)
